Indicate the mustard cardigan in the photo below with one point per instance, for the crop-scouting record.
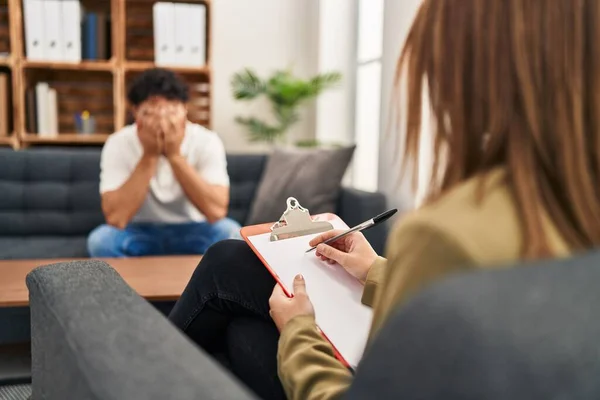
(454, 234)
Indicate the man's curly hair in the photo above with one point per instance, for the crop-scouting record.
(157, 82)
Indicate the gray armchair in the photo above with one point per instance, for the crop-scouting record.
(525, 333)
(93, 337)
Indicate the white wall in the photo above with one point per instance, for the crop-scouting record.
(264, 35)
(399, 15)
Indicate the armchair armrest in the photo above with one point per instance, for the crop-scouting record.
(93, 337)
(356, 206)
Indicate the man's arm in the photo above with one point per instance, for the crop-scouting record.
(211, 200)
(123, 191)
(120, 205)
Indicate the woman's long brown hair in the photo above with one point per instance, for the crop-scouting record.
(512, 83)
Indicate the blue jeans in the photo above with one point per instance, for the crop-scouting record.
(155, 239)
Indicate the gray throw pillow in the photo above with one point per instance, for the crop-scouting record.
(313, 176)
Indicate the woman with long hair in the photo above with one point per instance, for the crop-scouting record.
(514, 88)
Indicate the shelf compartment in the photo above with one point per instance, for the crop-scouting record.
(77, 91)
(139, 29)
(4, 30)
(95, 6)
(200, 97)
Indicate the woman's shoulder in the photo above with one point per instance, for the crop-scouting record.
(485, 228)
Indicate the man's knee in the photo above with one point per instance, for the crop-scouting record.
(225, 229)
(103, 241)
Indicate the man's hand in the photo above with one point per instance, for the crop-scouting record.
(353, 252)
(173, 122)
(149, 132)
(284, 309)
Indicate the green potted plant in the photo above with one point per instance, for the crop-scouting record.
(286, 94)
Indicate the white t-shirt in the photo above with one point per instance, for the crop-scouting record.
(166, 202)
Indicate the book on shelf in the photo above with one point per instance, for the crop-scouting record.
(52, 112)
(182, 34)
(33, 19)
(4, 104)
(164, 33)
(41, 97)
(52, 41)
(96, 36)
(46, 110)
(197, 31)
(71, 30)
(31, 114)
(101, 44)
(179, 34)
(90, 22)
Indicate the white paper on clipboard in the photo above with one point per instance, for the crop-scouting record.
(334, 293)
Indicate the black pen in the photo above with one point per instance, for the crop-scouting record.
(358, 228)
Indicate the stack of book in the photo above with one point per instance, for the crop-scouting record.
(42, 110)
(179, 34)
(96, 43)
(54, 31)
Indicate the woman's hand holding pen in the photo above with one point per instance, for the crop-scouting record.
(353, 252)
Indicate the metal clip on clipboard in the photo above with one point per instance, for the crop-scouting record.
(296, 221)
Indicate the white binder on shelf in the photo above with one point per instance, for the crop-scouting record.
(33, 12)
(183, 34)
(197, 35)
(71, 30)
(53, 42)
(41, 93)
(164, 33)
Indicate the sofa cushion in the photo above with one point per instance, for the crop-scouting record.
(245, 172)
(12, 248)
(49, 192)
(312, 176)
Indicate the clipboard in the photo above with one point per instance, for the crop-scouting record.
(294, 224)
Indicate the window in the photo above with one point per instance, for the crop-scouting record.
(368, 94)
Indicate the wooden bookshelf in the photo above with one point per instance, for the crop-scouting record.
(144, 65)
(80, 66)
(99, 86)
(8, 141)
(66, 138)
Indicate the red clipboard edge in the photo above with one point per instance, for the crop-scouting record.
(254, 230)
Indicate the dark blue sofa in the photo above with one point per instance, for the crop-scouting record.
(49, 200)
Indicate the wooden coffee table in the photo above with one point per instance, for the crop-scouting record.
(154, 278)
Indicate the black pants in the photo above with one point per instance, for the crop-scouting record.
(225, 310)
